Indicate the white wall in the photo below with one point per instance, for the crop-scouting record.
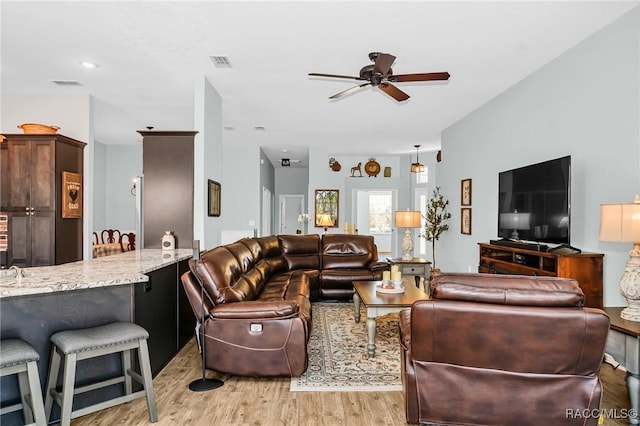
(207, 162)
(241, 189)
(585, 103)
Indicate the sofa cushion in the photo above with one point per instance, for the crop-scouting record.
(507, 289)
(242, 254)
(347, 251)
(301, 251)
(223, 277)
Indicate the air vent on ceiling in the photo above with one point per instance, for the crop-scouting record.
(66, 82)
(220, 61)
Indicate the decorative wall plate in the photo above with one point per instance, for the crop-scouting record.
(372, 168)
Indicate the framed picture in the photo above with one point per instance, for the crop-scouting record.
(465, 220)
(326, 208)
(465, 192)
(214, 198)
(71, 195)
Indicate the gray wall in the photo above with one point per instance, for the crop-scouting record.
(124, 163)
(100, 186)
(585, 103)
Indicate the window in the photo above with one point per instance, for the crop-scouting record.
(379, 212)
(423, 177)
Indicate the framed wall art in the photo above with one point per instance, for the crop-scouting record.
(213, 204)
(465, 192)
(71, 195)
(326, 208)
(465, 220)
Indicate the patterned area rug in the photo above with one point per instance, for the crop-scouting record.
(338, 359)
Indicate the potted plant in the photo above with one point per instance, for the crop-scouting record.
(435, 221)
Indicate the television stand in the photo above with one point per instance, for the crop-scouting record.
(585, 268)
(519, 244)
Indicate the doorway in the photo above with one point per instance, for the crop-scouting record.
(292, 206)
(373, 215)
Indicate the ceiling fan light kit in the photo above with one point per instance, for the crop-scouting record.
(380, 75)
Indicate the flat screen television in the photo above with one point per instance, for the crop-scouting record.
(535, 202)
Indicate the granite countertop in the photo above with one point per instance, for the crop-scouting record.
(122, 268)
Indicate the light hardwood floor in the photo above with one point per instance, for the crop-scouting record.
(255, 401)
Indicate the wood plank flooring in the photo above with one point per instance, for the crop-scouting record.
(256, 401)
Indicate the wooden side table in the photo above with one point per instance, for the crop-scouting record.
(623, 344)
(418, 267)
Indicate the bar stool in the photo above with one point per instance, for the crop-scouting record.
(19, 357)
(71, 346)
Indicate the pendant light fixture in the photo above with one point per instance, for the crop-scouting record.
(417, 167)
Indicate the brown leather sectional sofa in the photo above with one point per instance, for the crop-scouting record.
(258, 293)
(502, 350)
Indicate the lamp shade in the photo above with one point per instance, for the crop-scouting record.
(620, 222)
(325, 220)
(408, 219)
(417, 167)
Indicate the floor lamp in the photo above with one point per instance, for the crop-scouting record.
(407, 219)
(204, 384)
(621, 223)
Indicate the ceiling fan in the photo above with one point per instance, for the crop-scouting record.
(380, 75)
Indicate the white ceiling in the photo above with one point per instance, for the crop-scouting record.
(151, 54)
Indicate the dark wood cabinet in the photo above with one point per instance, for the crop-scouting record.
(585, 268)
(162, 308)
(31, 199)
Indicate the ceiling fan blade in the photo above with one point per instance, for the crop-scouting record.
(317, 74)
(346, 92)
(429, 76)
(393, 91)
(383, 63)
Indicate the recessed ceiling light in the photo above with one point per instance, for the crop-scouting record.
(285, 150)
(88, 65)
(259, 128)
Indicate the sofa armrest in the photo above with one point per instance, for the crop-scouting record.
(256, 309)
(404, 328)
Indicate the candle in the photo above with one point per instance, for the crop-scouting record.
(386, 276)
(396, 276)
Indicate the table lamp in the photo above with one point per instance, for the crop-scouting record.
(621, 223)
(325, 221)
(407, 219)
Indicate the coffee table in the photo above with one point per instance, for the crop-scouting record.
(378, 304)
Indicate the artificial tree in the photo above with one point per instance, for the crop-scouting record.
(435, 221)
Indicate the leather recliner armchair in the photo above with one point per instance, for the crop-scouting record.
(502, 350)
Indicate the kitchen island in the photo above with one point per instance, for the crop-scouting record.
(141, 286)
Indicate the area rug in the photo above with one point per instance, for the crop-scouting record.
(338, 359)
